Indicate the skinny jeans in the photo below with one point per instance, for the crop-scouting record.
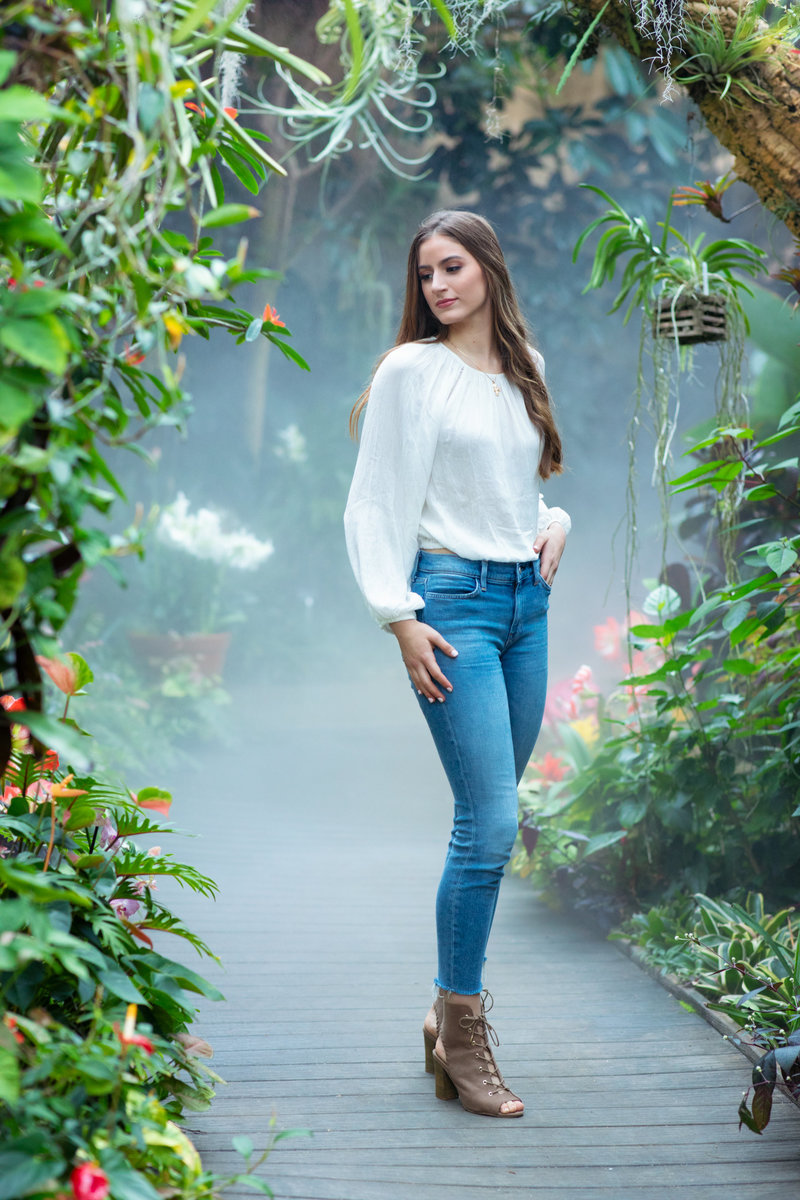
(495, 615)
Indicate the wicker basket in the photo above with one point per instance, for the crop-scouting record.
(690, 319)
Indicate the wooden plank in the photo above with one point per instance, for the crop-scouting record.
(325, 929)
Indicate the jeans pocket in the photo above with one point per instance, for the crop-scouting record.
(451, 587)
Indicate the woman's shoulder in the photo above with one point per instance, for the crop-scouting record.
(410, 356)
(537, 356)
(412, 368)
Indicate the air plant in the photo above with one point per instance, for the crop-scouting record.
(706, 193)
(724, 62)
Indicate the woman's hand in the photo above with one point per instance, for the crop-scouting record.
(549, 545)
(417, 641)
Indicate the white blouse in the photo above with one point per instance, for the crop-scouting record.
(443, 463)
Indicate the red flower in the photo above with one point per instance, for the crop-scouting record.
(552, 768)
(128, 1035)
(133, 356)
(10, 704)
(271, 315)
(50, 761)
(201, 108)
(10, 1022)
(231, 112)
(89, 1182)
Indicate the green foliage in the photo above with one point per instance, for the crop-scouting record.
(96, 1061)
(650, 264)
(110, 175)
(726, 63)
(747, 962)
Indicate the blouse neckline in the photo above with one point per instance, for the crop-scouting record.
(476, 370)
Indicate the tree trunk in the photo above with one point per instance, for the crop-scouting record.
(763, 135)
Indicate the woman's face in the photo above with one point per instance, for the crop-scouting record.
(452, 281)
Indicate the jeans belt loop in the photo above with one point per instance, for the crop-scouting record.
(484, 573)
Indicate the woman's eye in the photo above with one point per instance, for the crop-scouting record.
(424, 278)
(450, 270)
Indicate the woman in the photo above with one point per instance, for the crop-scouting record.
(455, 554)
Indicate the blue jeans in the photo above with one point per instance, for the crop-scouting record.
(495, 615)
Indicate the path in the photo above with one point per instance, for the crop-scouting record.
(327, 837)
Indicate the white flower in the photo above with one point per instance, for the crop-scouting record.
(291, 444)
(201, 535)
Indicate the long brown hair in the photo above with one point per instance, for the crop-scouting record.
(476, 235)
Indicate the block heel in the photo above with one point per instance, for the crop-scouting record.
(430, 1042)
(445, 1088)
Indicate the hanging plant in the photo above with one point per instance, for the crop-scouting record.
(687, 293)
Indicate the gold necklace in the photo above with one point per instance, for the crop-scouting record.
(492, 378)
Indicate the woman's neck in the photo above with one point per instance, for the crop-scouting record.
(478, 346)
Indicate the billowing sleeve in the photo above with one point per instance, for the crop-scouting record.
(548, 515)
(395, 457)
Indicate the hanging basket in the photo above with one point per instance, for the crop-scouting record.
(690, 319)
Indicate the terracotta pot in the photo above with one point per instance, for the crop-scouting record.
(157, 653)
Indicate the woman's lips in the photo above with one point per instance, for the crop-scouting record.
(445, 303)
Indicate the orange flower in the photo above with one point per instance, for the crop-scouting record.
(231, 112)
(201, 108)
(61, 790)
(62, 675)
(271, 316)
(551, 768)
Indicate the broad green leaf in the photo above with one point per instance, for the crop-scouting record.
(740, 666)
(83, 672)
(12, 580)
(21, 1174)
(242, 1145)
(41, 341)
(735, 615)
(9, 1073)
(780, 559)
(7, 60)
(69, 745)
(114, 979)
(602, 840)
(22, 104)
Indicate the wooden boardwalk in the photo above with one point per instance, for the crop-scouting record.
(326, 834)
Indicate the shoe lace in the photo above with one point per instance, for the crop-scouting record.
(479, 1028)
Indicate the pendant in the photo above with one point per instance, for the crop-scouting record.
(495, 387)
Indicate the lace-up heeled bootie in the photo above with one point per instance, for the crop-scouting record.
(430, 1031)
(467, 1068)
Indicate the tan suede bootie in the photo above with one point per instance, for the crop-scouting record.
(466, 1069)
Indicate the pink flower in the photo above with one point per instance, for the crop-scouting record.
(608, 639)
(89, 1182)
(61, 673)
(125, 906)
(581, 680)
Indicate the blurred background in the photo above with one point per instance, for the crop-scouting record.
(267, 452)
